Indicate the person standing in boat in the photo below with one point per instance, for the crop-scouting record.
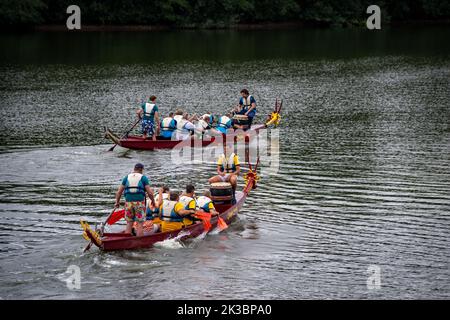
(150, 115)
(168, 126)
(172, 214)
(134, 186)
(228, 168)
(205, 203)
(247, 106)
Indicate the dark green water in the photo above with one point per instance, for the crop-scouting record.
(363, 178)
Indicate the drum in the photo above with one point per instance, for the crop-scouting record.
(221, 192)
(241, 120)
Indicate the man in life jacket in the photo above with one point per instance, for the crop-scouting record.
(184, 125)
(188, 200)
(150, 115)
(228, 168)
(224, 123)
(134, 186)
(168, 126)
(205, 203)
(247, 106)
(172, 213)
(204, 124)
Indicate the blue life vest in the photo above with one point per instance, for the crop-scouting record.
(149, 111)
(168, 126)
(246, 104)
(152, 214)
(224, 124)
(134, 184)
(203, 203)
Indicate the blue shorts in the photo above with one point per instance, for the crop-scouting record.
(148, 127)
(250, 115)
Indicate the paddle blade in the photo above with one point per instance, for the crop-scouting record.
(112, 148)
(116, 216)
(221, 224)
(206, 219)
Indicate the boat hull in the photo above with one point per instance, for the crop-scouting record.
(139, 143)
(122, 241)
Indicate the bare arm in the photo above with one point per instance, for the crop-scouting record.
(184, 212)
(119, 195)
(157, 118)
(220, 173)
(160, 199)
(238, 170)
(150, 194)
(194, 117)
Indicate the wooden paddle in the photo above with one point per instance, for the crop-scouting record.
(126, 133)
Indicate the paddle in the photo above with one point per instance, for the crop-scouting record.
(221, 224)
(206, 219)
(116, 216)
(126, 133)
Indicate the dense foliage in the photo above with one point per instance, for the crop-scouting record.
(217, 13)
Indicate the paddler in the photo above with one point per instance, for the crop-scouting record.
(224, 123)
(153, 221)
(188, 200)
(184, 125)
(150, 115)
(228, 168)
(247, 106)
(204, 124)
(135, 185)
(205, 203)
(172, 213)
(168, 126)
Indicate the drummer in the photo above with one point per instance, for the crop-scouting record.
(228, 168)
(247, 106)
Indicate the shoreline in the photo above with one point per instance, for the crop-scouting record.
(236, 27)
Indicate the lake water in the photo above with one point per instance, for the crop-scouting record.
(364, 177)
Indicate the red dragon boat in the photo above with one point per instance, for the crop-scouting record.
(139, 143)
(124, 241)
